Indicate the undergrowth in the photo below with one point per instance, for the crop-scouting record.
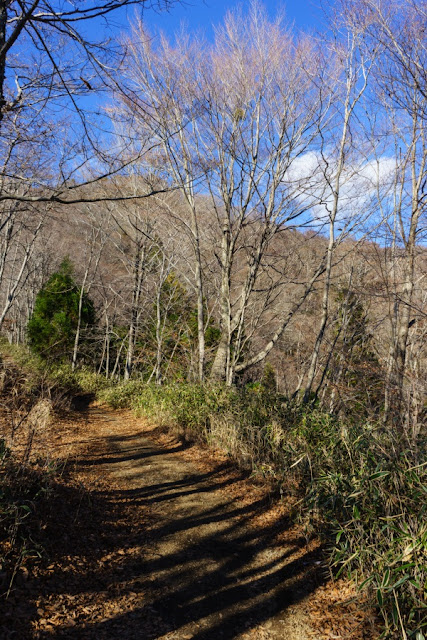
(39, 379)
(30, 395)
(362, 484)
(23, 486)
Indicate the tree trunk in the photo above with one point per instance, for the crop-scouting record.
(219, 371)
(3, 24)
(325, 308)
(136, 294)
(79, 322)
(200, 314)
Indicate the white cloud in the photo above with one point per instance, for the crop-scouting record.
(312, 178)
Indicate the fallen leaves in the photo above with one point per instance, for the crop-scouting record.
(94, 538)
(338, 612)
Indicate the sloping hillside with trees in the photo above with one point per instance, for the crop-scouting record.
(236, 248)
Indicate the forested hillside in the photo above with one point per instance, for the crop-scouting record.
(284, 217)
(234, 243)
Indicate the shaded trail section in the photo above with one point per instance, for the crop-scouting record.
(168, 544)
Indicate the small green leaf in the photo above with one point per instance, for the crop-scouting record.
(415, 583)
(386, 578)
(379, 474)
(395, 614)
(403, 567)
(400, 582)
(365, 582)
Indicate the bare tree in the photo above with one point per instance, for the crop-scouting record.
(134, 236)
(48, 65)
(161, 100)
(260, 123)
(400, 83)
(232, 122)
(335, 160)
(96, 238)
(20, 226)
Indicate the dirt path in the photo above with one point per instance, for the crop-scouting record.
(167, 543)
(208, 571)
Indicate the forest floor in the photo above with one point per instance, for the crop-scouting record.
(146, 537)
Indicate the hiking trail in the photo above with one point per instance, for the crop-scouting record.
(159, 539)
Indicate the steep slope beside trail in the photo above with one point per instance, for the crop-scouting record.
(150, 539)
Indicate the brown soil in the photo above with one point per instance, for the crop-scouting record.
(147, 537)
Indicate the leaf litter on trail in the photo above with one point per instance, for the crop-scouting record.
(95, 536)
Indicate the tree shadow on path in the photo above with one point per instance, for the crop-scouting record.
(165, 550)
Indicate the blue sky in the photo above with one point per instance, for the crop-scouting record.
(202, 14)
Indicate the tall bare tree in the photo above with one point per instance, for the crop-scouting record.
(400, 85)
(233, 121)
(336, 157)
(161, 100)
